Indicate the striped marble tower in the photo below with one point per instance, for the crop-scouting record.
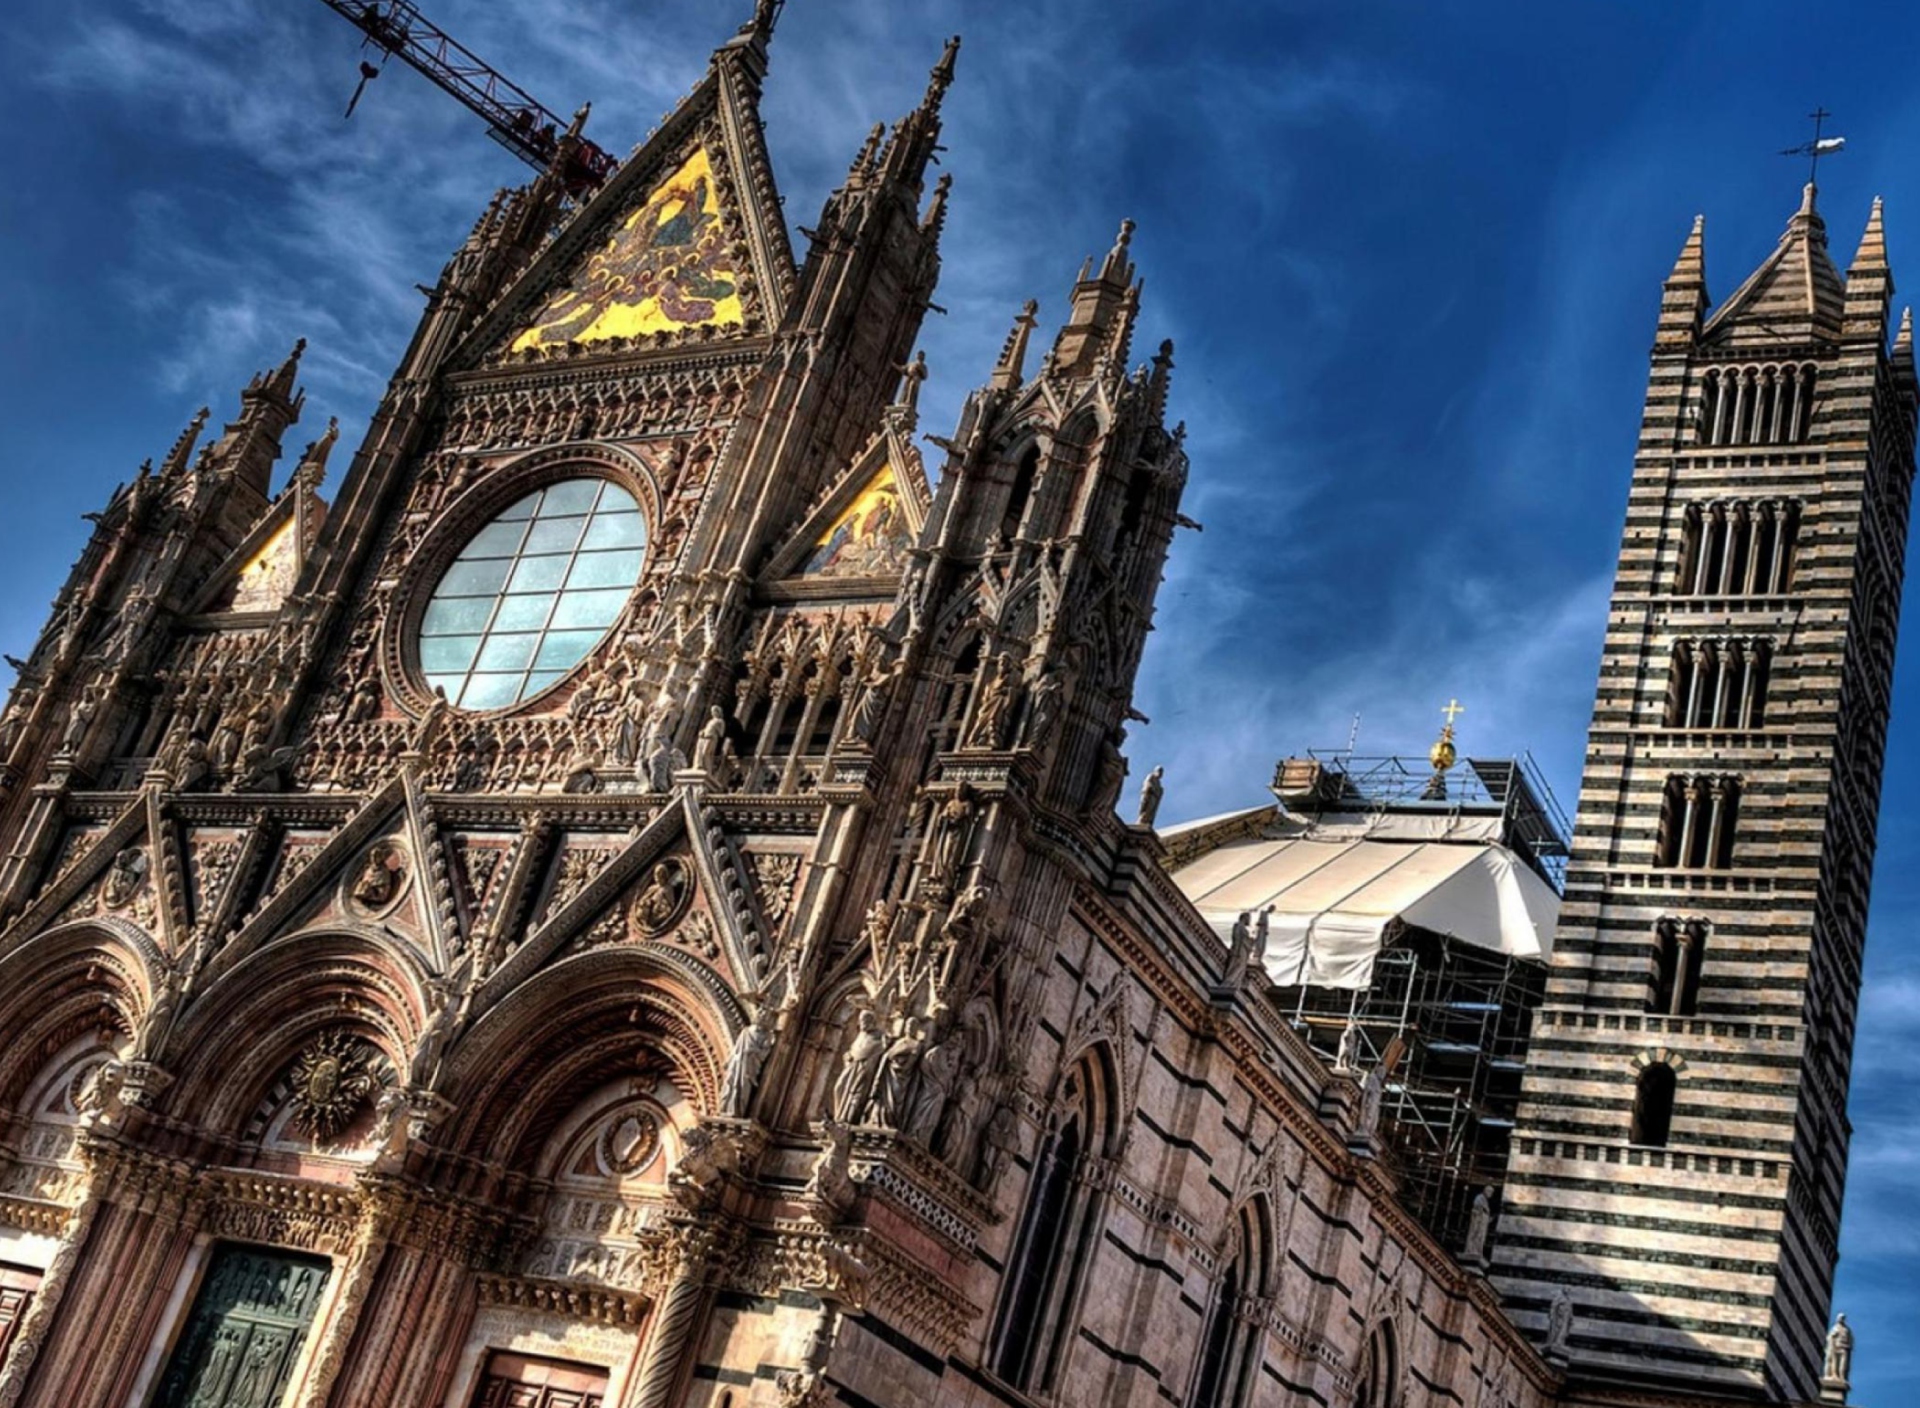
(1674, 1193)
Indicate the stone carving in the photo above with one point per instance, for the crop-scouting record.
(774, 876)
(713, 737)
(333, 1081)
(1348, 1059)
(125, 878)
(664, 898)
(899, 1066)
(1152, 789)
(830, 1186)
(1838, 1366)
(381, 878)
(1479, 1225)
(991, 705)
(629, 1143)
(1559, 1324)
(745, 1061)
(859, 1069)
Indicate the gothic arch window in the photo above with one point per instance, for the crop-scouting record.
(532, 593)
(1680, 948)
(1025, 471)
(1697, 819)
(1734, 547)
(1379, 1377)
(1653, 1098)
(1230, 1339)
(1056, 1233)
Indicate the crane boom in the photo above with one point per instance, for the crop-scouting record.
(514, 117)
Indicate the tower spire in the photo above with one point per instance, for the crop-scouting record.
(1683, 299)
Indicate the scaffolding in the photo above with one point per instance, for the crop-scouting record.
(1447, 1113)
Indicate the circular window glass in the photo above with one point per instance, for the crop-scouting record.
(534, 592)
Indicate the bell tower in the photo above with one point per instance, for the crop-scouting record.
(1673, 1204)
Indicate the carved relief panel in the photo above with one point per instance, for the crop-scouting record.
(246, 1330)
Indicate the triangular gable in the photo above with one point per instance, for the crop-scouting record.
(861, 530)
(260, 572)
(1795, 294)
(686, 240)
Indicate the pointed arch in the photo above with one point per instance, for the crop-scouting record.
(95, 976)
(1053, 1247)
(592, 1018)
(1378, 1382)
(235, 1038)
(1232, 1334)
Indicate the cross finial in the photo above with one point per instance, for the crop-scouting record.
(1820, 146)
(1453, 711)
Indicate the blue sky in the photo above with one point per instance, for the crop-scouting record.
(1410, 255)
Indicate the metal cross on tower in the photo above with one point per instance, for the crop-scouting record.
(1820, 146)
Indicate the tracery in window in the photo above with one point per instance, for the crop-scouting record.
(532, 594)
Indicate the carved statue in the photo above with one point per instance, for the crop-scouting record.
(859, 1070)
(939, 1074)
(365, 702)
(1043, 705)
(167, 995)
(955, 833)
(745, 1062)
(1839, 1362)
(1261, 924)
(901, 1064)
(1348, 1058)
(1373, 1092)
(874, 691)
(124, 878)
(1559, 1323)
(1002, 1142)
(1479, 1225)
(830, 1185)
(1152, 788)
(713, 733)
(432, 1044)
(378, 883)
(661, 903)
(81, 719)
(1240, 948)
(990, 709)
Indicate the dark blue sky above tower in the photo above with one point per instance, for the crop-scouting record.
(1410, 256)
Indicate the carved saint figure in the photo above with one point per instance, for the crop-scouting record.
(1839, 1362)
(939, 1074)
(874, 690)
(1349, 1056)
(745, 1062)
(898, 1069)
(713, 733)
(660, 904)
(1152, 789)
(124, 878)
(378, 883)
(1559, 1323)
(1261, 926)
(858, 1070)
(434, 1037)
(990, 710)
(1373, 1091)
(1479, 1224)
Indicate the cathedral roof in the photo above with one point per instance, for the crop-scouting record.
(1795, 294)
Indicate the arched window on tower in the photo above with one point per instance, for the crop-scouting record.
(1680, 947)
(1022, 491)
(1764, 405)
(1735, 547)
(1056, 1234)
(1653, 1105)
(1230, 1342)
(1697, 819)
(1718, 684)
(1380, 1370)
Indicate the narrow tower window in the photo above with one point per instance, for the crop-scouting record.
(1679, 949)
(1697, 822)
(1653, 1106)
(1737, 548)
(1717, 684)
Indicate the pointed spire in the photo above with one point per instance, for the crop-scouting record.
(280, 382)
(182, 452)
(1903, 350)
(1796, 295)
(1872, 253)
(1683, 300)
(1161, 380)
(1008, 372)
(869, 152)
(1870, 282)
(313, 460)
(941, 78)
(1117, 268)
(935, 220)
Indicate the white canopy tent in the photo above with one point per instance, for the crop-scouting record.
(1335, 903)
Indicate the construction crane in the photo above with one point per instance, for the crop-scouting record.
(514, 117)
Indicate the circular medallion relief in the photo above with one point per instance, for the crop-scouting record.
(629, 1143)
(532, 594)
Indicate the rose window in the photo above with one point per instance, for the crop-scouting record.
(532, 594)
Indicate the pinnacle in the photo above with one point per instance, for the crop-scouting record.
(1116, 266)
(1691, 266)
(281, 382)
(1872, 253)
(941, 78)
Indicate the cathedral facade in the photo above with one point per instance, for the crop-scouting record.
(624, 904)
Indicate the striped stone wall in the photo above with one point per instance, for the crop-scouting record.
(1709, 1261)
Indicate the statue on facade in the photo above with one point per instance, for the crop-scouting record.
(713, 733)
(1838, 1368)
(990, 709)
(1152, 789)
(859, 1069)
(898, 1069)
(745, 1062)
(1479, 1225)
(1559, 1324)
(1348, 1058)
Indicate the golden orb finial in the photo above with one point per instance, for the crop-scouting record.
(1443, 754)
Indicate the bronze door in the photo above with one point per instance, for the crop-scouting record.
(248, 1324)
(521, 1381)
